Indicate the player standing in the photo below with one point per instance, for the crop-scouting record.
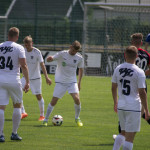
(65, 78)
(130, 82)
(12, 56)
(34, 62)
(142, 61)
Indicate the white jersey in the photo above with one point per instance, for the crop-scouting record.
(129, 79)
(10, 52)
(66, 66)
(34, 58)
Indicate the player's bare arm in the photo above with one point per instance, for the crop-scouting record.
(146, 45)
(25, 72)
(114, 94)
(48, 80)
(143, 97)
(80, 77)
(147, 72)
(49, 58)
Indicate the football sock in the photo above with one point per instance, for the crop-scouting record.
(22, 109)
(1, 121)
(127, 145)
(49, 110)
(119, 141)
(77, 110)
(16, 119)
(41, 106)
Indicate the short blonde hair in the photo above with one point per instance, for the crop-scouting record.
(137, 38)
(27, 39)
(13, 32)
(76, 45)
(131, 52)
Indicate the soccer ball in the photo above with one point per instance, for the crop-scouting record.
(57, 120)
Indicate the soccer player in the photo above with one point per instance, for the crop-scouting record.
(12, 56)
(65, 78)
(129, 80)
(34, 62)
(142, 61)
(147, 41)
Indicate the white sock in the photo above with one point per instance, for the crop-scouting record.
(77, 110)
(1, 121)
(16, 119)
(22, 108)
(127, 145)
(41, 106)
(119, 141)
(49, 110)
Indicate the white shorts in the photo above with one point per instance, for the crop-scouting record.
(130, 121)
(61, 88)
(13, 90)
(35, 85)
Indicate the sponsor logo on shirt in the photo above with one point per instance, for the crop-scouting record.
(63, 64)
(6, 49)
(74, 61)
(126, 72)
(31, 57)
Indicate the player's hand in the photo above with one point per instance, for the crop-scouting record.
(26, 88)
(147, 115)
(49, 58)
(48, 81)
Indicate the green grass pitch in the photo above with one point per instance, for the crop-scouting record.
(100, 121)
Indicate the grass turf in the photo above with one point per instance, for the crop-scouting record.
(100, 121)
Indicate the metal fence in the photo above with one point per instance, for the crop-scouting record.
(104, 30)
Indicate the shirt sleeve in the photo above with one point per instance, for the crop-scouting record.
(141, 80)
(40, 57)
(81, 63)
(57, 56)
(21, 52)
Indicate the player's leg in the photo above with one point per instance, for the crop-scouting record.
(4, 100)
(77, 106)
(41, 106)
(119, 141)
(128, 144)
(16, 121)
(2, 109)
(23, 112)
(15, 91)
(120, 138)
(58, 93)
(36, 90)
(74, 92)
(132, 125)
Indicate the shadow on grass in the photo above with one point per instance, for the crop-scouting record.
(8, 119)
(109, 144)
(53, 126)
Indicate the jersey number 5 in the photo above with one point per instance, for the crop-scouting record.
(6, 63)
(126, 86)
